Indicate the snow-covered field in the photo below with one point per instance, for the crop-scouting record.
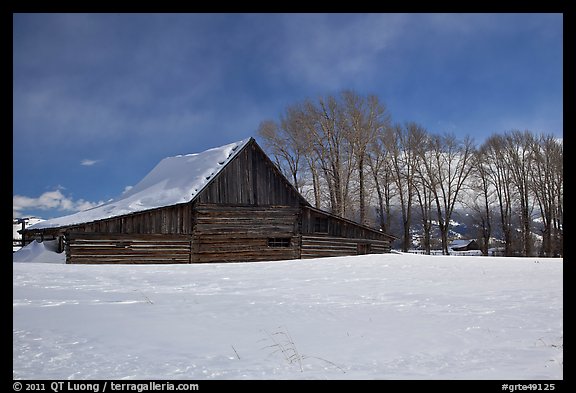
(394, 316)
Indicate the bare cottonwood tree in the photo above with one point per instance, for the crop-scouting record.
(403, 158)
(365, 118)
(380, 164)
(330, 145)
(558, 182)
(499, 174)
(519, 157)
(482, 197)
(447, 165)
(330, 137)
(547, 168)
(425, 199)
(283, 148)
(294, 146)
(304, 119)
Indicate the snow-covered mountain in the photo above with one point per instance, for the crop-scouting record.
(463, 226)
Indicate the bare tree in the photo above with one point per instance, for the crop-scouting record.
(404, 144)
(547, 168)
(364, 120)
(558, 182)
(500, 176)
(331, 135)
(284, 149)
(519, 157)
(303, 123)
(425, 199)
(290, 143)
(483, 198)
(328, 141)
(293, 144)
(380, 165)
(447, 166)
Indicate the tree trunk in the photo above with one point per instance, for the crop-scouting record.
(362, 197)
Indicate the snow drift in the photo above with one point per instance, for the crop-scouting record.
(40, 252)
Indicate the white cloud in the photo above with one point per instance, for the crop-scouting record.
(327, 51)
(49, 200)
(87, 162)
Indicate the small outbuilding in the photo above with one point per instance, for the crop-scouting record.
(464, 245)
(227, 204)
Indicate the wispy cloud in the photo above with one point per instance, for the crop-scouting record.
(327, 50)
(87, 162)
(49, 200)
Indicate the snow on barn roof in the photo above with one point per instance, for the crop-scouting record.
(460, 243)
(174, 180)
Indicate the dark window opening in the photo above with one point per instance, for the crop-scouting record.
(278, 242)
(321, 225)
(123, 244)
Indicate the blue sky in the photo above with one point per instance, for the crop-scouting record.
(100, 99)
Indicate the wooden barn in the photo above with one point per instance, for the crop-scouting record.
(228, 204)
(464, 245)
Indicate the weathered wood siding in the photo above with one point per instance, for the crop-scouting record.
(250, 179)
(245, 233)
(329, 246)
(177, 219)
(325, 235)
(94, 248)
(41, 235)
(336, 226)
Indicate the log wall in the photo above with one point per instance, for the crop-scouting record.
(245, 233)
(317, 246)
(221, 233)
(95, 248)
(326, 235)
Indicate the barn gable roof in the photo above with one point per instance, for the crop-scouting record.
(460, 243)
(174, 180)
